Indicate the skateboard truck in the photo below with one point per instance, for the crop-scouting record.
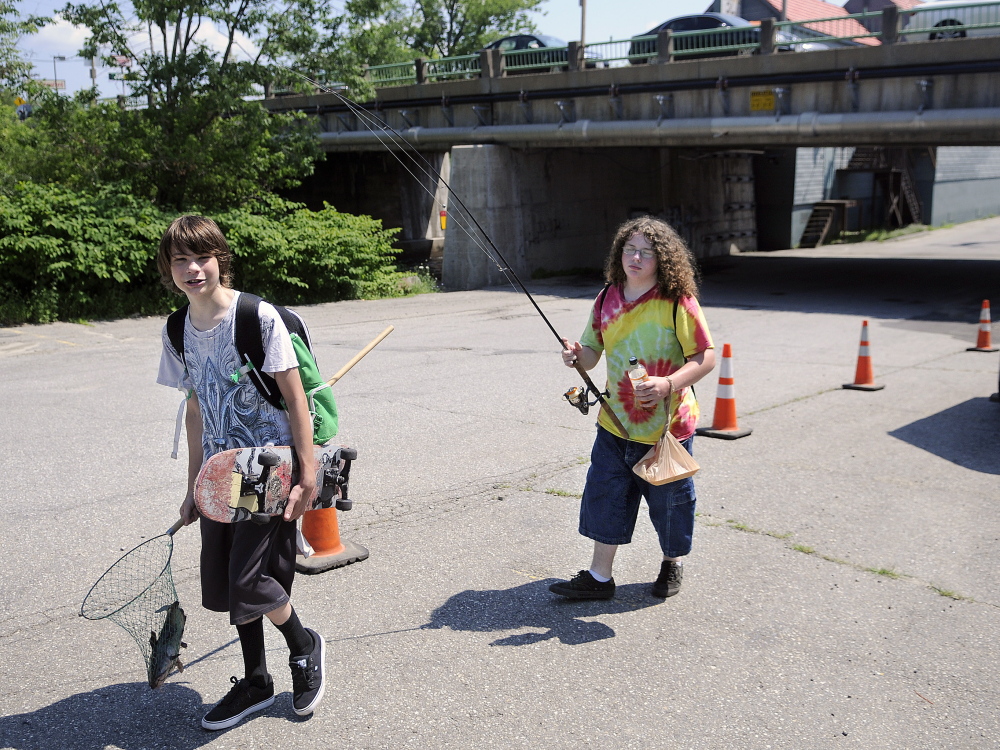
(258, 485)
(335, 478)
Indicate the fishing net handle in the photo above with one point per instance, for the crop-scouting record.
(357, 357)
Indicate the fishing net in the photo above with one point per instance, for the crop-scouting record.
(136, 592)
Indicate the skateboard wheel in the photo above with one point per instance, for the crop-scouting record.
(345, 504)
(349, 454)
(266, 458)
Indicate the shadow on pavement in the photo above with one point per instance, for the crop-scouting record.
(924, 290)
(531, 605)
(964, 434)
(129, 716)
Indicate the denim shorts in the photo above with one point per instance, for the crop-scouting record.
(610, 503)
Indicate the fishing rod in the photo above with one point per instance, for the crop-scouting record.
(581, 398)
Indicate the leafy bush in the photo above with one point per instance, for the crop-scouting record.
(67, 256)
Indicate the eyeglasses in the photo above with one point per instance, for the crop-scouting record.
(645, 254)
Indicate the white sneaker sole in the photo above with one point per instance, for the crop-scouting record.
(322, 686)
(214, 726)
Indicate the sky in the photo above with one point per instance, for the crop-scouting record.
(606, 19)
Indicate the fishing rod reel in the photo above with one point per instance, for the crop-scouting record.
(578, 397)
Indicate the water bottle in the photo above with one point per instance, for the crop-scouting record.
(636, 372)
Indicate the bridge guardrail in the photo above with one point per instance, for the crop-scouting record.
(864, 28)
(932, 21)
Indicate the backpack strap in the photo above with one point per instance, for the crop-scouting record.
(250, 345)
(175, 331)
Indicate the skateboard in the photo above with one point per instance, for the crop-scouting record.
(252, 484)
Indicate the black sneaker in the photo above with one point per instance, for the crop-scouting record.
(241, 701)
(668, 582)
(308, 676)
(584, 586)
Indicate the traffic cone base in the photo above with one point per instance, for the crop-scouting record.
(721, 434)
(863, 386)
(982, 349)
(321, 563)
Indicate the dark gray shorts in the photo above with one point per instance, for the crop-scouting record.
(246, 569)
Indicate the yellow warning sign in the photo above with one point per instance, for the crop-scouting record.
(762, 101)
(18, 101)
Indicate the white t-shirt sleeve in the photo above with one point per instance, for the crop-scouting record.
(172, 372)
(279, 354)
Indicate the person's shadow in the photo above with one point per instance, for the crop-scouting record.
(531, 605)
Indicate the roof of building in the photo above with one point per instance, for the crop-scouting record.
(806, 10)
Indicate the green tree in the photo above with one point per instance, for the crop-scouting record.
(203, 139)
(14, 69)
(460, 27)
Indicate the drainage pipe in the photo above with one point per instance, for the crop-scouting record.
(930, 127)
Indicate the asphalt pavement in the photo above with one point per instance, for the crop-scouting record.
(843, 589)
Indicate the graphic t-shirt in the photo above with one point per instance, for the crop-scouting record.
(234, 414)
(644, 329)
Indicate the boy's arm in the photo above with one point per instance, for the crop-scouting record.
(290, 384)
(196, 455)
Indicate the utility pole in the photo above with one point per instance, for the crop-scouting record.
(55, 72)
(784, 10)
(583, 25)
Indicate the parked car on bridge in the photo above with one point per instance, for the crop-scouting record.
(537, 53)
(732, 31)
(952, 19)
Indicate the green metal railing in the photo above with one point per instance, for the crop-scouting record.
(926, 21)
(856, 27)
(447, 68)
(615, 54)
(393, 74)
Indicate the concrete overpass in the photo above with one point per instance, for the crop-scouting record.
(551, 162)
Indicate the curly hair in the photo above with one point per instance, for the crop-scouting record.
(200, 236)
(675, 267)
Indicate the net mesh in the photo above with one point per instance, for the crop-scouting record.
(136, 592)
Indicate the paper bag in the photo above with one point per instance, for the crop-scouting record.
(667, 461)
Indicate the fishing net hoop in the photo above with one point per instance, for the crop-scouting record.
(136, 592)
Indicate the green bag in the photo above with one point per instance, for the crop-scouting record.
(322, 407)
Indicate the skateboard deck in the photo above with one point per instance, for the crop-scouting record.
(253, 483)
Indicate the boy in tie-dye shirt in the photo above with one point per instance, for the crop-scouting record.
(649, 311)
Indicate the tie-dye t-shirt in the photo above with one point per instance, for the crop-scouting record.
(644, 329)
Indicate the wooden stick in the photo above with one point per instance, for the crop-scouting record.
(357, 357)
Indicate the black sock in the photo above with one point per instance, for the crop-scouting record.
(254, 659)
(299, 641)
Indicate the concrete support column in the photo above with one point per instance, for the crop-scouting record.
(767, 36)
(486, 178)
(665, 46)
(890, 24)
(574, 55)
(490, 63)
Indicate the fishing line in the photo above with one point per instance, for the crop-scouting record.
(402, 143)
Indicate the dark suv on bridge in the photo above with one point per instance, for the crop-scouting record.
(731, 31)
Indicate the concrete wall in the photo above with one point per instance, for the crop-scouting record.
(376, 184)
(556, 210)
(815, 175)
(966, 184)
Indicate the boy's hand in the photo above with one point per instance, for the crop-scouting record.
(571, 352)
(301, 497)
(652, 392)
(189, 511)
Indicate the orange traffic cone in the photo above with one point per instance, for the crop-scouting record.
(321, 530)
(983, 343)
(724, 424)
(864, 380)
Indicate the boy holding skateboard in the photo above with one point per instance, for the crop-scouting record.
(246, 569)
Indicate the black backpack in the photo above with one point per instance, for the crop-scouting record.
(247, 337)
